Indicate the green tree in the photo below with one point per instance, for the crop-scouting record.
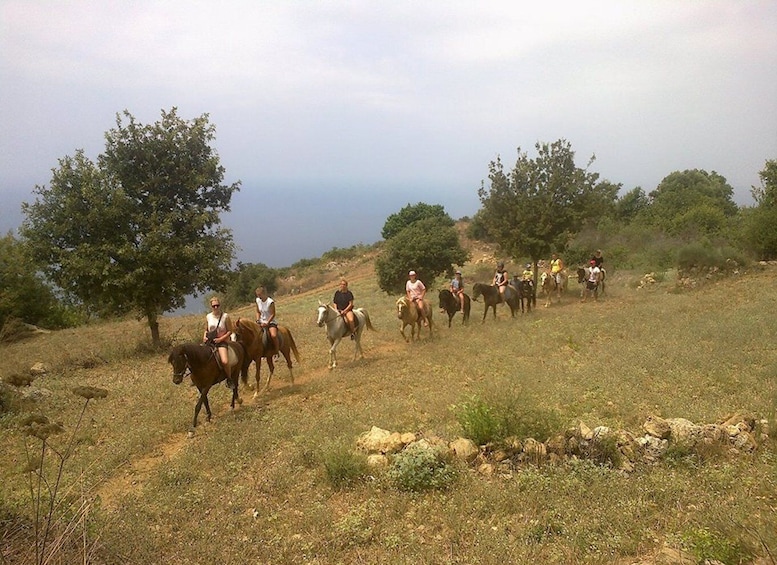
(23, 294)
(630, 205)
(410, 214)
(429, 246)
(139, 230)
(244, 281)
(760, 229)
(541, 203)
(682, 197)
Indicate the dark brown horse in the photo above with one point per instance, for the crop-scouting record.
(450, 305)
(258, 344)
(492, 297)
(525, 290)
(199, 360)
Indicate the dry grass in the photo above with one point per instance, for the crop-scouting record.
(252, 486)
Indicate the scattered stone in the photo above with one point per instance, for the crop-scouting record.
(38, 369)
(377, 461)
(464, 449)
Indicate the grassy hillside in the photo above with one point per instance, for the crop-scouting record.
(256, 486)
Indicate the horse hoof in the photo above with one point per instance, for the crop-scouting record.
(240, 401)
(190, 434)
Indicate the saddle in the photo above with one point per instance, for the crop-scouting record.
(346, 329)
(267, 340)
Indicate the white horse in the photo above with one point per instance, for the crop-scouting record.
(337, 329)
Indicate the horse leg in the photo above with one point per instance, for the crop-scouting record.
(332, 354)
(357, 351)
(208, 413)
(257, 391)
(197, 408)
(287, 355)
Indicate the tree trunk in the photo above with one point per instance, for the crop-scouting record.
(154, 325)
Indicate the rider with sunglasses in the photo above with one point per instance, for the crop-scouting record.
(218, 330)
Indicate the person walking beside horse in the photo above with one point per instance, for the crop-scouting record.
(343, 301)
(265, 316)
(415, 292)
(218, 329)
(592, 282)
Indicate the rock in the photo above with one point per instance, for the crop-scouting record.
(38, 369)
(36, 394)
(464, 449)
(557, 445)
(684, 432)
(585, 432)
(486, 469)
(534, 451)
(657, 427)
(377, 461)
(380, 441)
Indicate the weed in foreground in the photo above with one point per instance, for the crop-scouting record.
(44, 488)
(708, 546)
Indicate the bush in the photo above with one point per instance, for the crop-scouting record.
(493, 422)
(419, 468)
(709, 546)
(344, 467)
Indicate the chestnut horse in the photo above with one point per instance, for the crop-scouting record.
(258, 345)
(199, 360)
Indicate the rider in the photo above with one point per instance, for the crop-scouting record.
(415, 292)
(343, 301)
(528, 274)
(598, 258)
(592, 281)
(501, 279)
(556, 266)
(265, 316)
(457, 288)
(218, 329)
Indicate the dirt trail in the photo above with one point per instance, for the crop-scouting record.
(134, 474)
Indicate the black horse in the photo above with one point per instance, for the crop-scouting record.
(525, 290)
(492, 297)
(200, 361)
(451, 305)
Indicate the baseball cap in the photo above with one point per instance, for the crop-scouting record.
(411, 273)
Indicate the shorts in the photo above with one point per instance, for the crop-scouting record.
(591, 285)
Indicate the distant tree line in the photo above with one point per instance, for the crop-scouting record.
(138, 230)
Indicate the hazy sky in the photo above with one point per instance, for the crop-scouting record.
(336, 114)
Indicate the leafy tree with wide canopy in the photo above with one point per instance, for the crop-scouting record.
(139, 230)
(412, 213)
(429, 245)
(691, 202)
(535, 208)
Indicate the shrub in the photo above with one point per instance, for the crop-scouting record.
(493, 422)
(344, 467)
(419, 467)
(709, 546)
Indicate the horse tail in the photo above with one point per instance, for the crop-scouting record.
(293, 346)
(367, 322)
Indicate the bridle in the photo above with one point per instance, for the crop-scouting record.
(187, 370)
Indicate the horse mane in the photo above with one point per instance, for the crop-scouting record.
(250, 328)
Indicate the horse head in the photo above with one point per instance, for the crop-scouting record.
(323, 314)
(180, 363)
(403, 307)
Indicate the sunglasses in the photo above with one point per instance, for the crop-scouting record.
(215, 305)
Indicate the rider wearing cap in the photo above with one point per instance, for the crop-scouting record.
(415, 292)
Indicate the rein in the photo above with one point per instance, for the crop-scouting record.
(187, 370)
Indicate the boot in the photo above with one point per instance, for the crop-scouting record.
(228, 382)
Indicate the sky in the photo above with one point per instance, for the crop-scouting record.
(334, 115)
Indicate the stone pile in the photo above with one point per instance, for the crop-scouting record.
(621, 449)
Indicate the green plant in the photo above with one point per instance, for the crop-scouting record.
(478, 421)
(494, 421)
(707, 546)
(419, 467)
(343, 466)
